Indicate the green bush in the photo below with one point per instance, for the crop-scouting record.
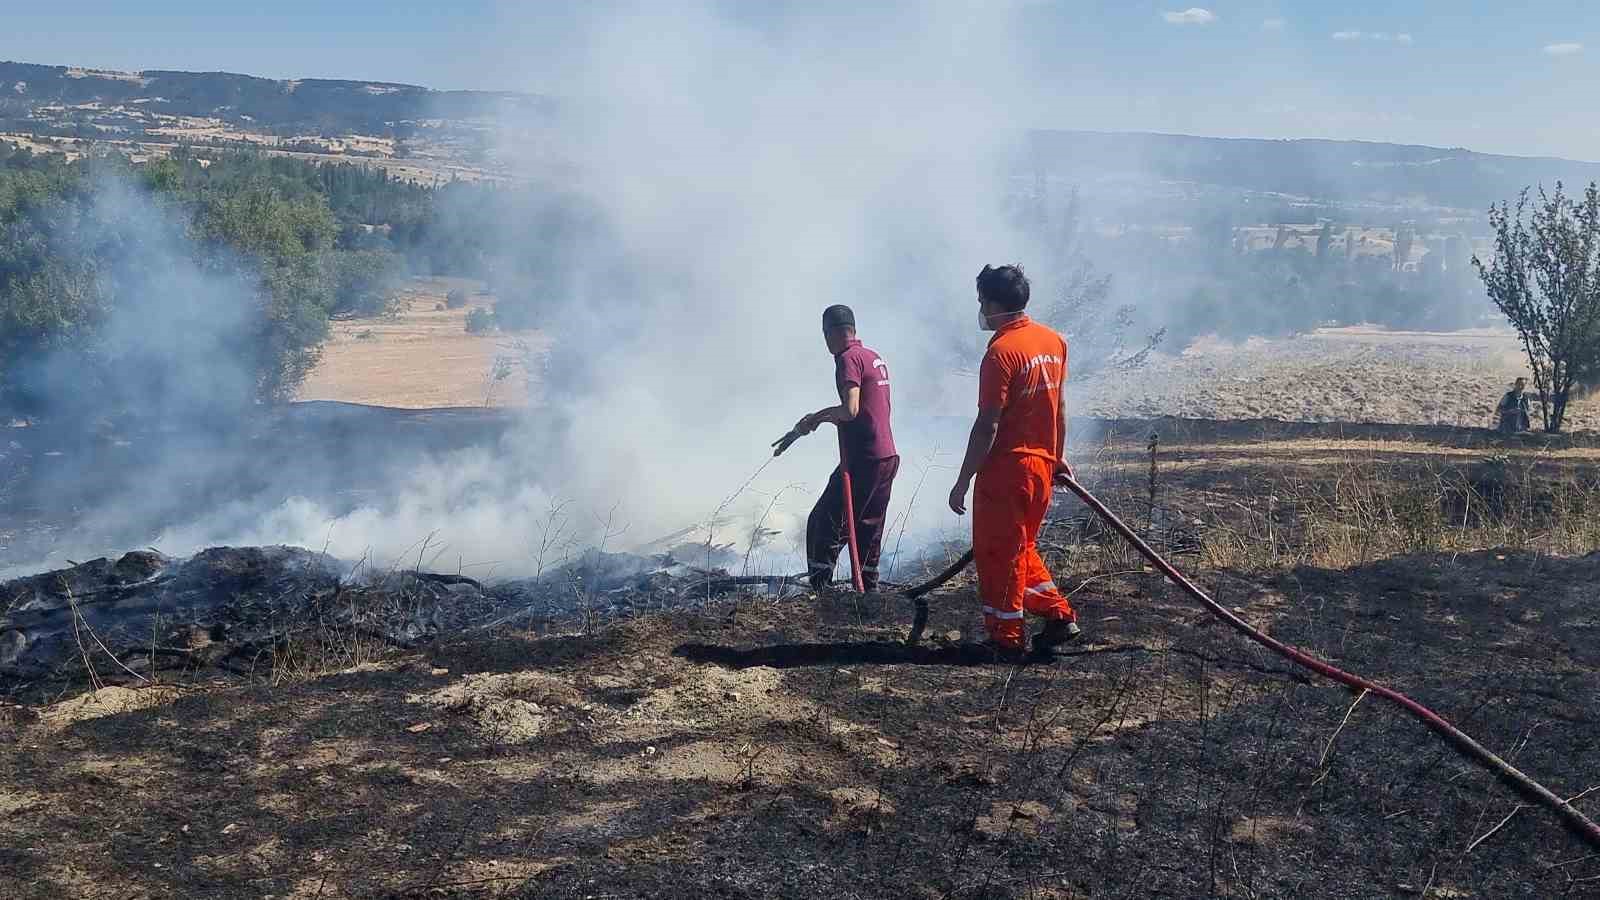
(480, 321)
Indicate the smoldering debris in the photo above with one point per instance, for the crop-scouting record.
(228, 607)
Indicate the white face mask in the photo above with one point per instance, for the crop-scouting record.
(986, 322)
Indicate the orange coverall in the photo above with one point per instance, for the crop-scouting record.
(1023, 374)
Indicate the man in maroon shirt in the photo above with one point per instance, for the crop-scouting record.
(866, 446)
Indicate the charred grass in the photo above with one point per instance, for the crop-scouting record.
(793, 749)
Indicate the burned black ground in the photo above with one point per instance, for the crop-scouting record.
(764, 747)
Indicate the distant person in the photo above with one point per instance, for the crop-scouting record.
(1513, 409)
(866, 445)
(1015, 451)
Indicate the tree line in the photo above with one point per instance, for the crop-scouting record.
(102, 261)
(109, 269)
(1205, 277)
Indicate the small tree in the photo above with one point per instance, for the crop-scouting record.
(1100, 332)
(499, 371)
(1545, 278)
(1403, 239)
(1098, 329)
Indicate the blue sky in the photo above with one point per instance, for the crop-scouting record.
(1513, 78)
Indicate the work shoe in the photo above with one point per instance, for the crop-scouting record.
(1056, 633)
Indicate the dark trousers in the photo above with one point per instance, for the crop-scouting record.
(870, 481)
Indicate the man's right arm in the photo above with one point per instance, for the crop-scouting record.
(994, 388)
(979, 444)
(1062, 468)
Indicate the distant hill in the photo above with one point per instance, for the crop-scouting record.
(1160, 171)
(317, 106)
(1345, 172)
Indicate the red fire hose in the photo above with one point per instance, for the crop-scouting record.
(1574, 820)
(856, 577)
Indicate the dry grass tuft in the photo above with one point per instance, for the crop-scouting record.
(1346, 507)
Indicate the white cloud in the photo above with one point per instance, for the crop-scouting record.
(1194, 15)
(1273, 24)
(1382, 37)
(1563, 49)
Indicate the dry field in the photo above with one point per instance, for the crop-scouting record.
(1358, 375)
(1354, 375)
(793, 749)
(423, 357)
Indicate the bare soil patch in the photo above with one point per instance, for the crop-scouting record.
(423, 357)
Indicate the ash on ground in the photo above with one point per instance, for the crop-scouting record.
(226, 606)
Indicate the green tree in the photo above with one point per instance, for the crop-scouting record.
(1545, 279)
(263, 224)
(365, 281)
(290, 327)
(1403, 239)
(1325, 240)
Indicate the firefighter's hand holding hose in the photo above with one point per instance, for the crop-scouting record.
(805, 426)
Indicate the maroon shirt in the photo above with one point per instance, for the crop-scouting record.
(868, 435)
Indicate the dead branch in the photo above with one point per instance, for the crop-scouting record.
(1335, 736)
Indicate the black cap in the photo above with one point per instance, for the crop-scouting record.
(838, 316)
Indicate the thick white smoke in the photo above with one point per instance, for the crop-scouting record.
(748, 170)
(464, 512)
(755, 169)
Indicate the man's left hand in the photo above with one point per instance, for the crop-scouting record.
(1064, 472)
(806, 425)
(958, 498)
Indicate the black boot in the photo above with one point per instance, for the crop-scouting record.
(1056, 633)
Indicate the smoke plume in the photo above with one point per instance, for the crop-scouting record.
(752, 173)
(744, 172)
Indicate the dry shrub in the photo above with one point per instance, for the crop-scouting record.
(1373, 509)
(346, 634)
(321, 652)
(1357, 509)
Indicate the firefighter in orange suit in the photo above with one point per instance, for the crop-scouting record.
(1015, 450)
